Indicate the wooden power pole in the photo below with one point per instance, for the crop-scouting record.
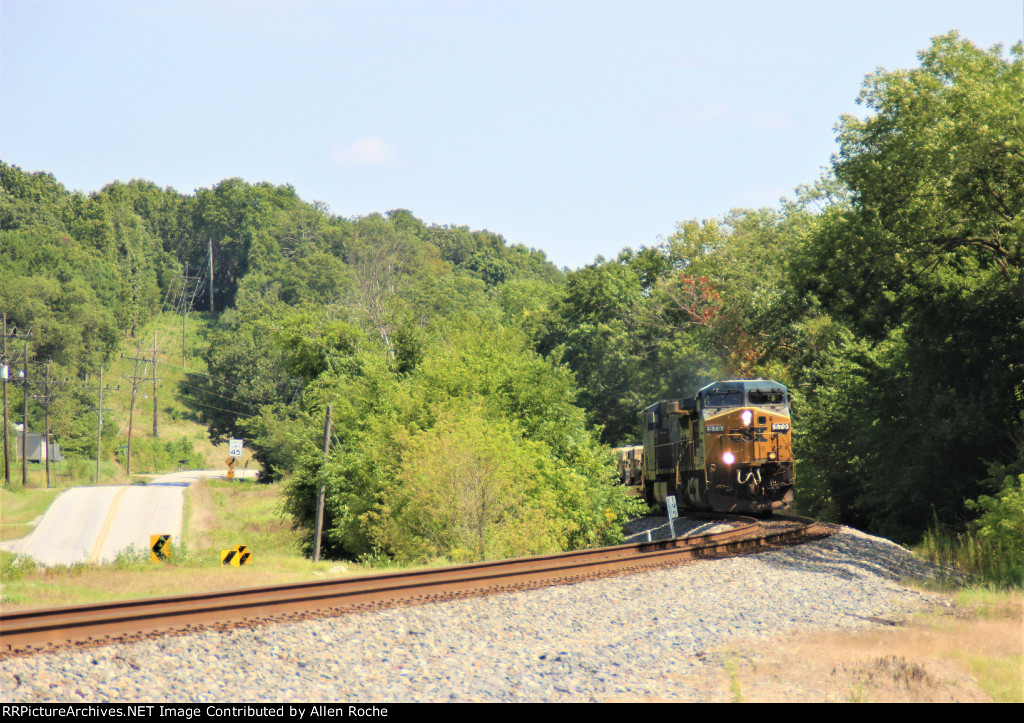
(321, 491)
(209, 255)
(5, 373)
(186, 304)
(156, 432)
(99, 422)
(134, 379)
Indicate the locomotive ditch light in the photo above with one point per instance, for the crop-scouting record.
(728, 457)
(771, 456)
(746, 416)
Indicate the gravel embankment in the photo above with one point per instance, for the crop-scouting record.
(612, 639)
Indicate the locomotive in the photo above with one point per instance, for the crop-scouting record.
(726, 449)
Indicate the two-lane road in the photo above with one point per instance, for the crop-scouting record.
(95, 524)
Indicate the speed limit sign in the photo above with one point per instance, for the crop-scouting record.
(235, 447)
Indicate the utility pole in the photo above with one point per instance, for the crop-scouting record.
(46, 415)
(24, 418)
(5, 373)
(184, 281)
(47, 398)
(323, 488)
(185, 303)
(99, 421)
(156, 432)
(209, 254)
(134, 379)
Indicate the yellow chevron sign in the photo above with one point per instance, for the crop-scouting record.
(159, 547)
(237, 556)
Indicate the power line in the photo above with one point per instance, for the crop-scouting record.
(134, 379)
(239, 401)
(221, 409)
(185, 299)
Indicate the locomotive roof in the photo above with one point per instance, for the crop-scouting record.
(744, 385)
(724, 385)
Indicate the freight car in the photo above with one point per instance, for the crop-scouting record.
(726, 449)
(629, 461)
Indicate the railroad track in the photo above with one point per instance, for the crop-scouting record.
(103, 623)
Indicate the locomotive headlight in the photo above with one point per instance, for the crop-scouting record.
(728, 457)
(746, 416)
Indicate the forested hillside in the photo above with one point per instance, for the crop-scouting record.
(475, 388)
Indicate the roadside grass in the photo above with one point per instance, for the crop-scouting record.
(20, 507)
(70, 472)
(220, 514)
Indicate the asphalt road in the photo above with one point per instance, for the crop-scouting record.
(95, 524)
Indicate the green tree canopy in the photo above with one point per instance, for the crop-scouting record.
(937, 167)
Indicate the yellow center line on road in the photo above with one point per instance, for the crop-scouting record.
(111, 513)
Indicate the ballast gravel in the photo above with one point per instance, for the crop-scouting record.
(620, 638)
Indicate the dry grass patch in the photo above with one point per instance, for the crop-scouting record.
(83, 584)
(221, 514)
(200, 515)
(966, 654)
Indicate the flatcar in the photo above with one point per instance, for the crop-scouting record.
(726, 449)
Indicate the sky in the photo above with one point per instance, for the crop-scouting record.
(578, 128)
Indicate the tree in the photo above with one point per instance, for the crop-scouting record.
(937, 169)
(918, 267)
(470, 489)
(237, 218)
(592, 330)
(395, 427)
(381, 257)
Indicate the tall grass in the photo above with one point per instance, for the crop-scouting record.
(982, 559)
(992, 548)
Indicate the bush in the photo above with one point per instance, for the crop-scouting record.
(158, 455)
(992, 547)
(471, 489)
(1000, 531)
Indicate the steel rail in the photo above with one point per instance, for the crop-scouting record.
(96, 622)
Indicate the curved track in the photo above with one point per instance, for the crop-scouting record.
(23, 631)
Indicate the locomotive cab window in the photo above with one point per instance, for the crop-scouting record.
(767, 396)
(723, 398)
